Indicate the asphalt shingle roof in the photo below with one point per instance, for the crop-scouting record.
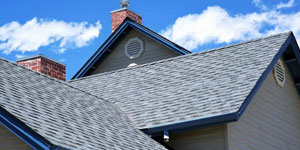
(189, 87)
(67, 116)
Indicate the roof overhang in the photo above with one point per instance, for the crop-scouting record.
(116, 35)
(289, 50)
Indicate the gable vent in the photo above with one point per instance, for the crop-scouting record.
(134, 48)
(279, 73)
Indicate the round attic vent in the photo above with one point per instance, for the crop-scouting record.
(134, 48)
(279, 73)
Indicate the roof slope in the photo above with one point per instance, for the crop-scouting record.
(189, 87)
(67, 116)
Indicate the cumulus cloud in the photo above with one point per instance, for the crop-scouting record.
(36, 33)
(285, 5)
(215, 25)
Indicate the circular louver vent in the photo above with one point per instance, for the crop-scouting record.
(279, 73)
(134, 48)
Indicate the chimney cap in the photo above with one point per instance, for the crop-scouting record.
(124, 3)
(39, 56)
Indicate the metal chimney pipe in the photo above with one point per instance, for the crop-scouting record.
(124, 4)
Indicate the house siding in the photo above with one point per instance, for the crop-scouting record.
(271, 120)
(212, 138)
(9, 141)
(118, 60)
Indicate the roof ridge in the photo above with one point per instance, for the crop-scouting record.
(54, 79)
(169, 40)
(180, 57)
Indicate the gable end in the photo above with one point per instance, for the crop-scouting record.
(117, 36)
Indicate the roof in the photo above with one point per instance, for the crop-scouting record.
(127, 24)
(51, 112)
(201, 88)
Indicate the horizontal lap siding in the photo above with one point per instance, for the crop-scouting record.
(118, 60)
(271, 121)
(9, 141)
(203, 139)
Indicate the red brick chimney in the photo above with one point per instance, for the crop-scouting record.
(44, 65)
(118, 16)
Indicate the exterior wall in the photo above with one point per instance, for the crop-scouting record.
(271, 120)
(45, 66)
(117, 17)
(9, 141)
(212, 138)
(118, 60)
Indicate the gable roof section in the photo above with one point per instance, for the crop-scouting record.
(128, 23)
(193, 90)
(46, 113)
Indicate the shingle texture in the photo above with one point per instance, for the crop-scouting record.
(184, 88)
(67, 116)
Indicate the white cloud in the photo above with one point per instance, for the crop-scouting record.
(260, 4)
(18, 56)
(40, 32)
(215, 25)
(62, 60)
(62, 50)
(285, 5)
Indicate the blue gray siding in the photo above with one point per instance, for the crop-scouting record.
(212, 138)
(118, 60)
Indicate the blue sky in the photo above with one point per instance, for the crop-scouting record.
(72, 30)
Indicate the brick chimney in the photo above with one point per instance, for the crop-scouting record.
(44, 65)
(118, 16)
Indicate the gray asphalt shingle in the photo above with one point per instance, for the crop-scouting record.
(189, 87)
(67, 116)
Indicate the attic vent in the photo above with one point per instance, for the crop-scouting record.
(134, 48)
(279, 73)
